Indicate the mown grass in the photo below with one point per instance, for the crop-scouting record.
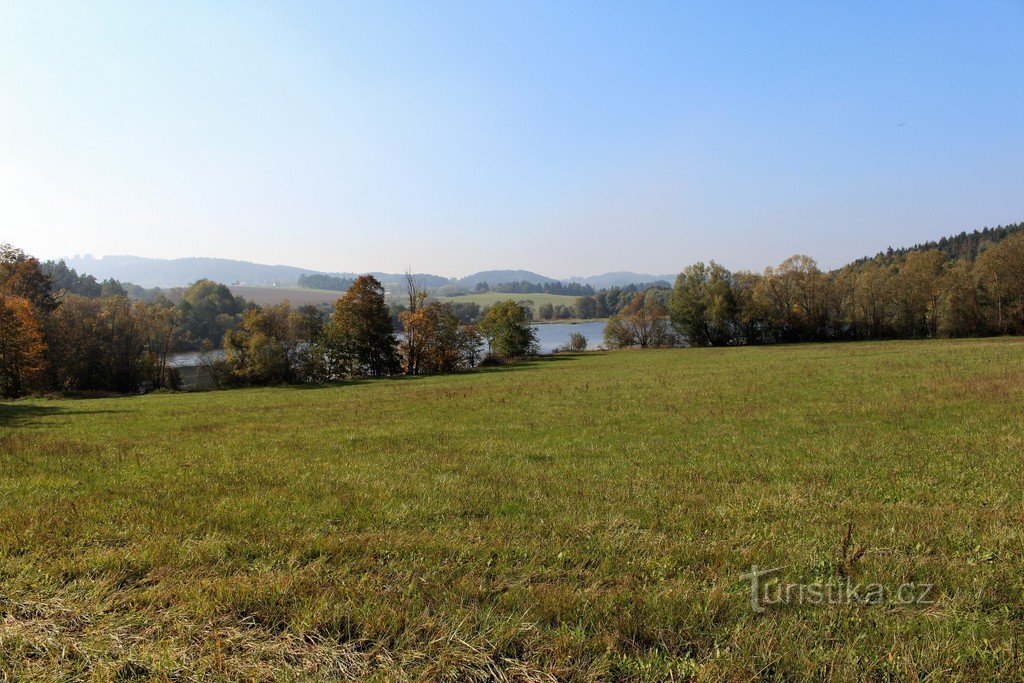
(576, 518)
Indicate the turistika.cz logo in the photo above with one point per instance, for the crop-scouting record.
(767, 590)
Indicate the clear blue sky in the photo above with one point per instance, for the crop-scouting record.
(562, 137)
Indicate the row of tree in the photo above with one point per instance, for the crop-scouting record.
(527, 287)
(66, 279)
(920, 294)
(53, 339)
(322, 281)
(550, 311)
(279, 344)
(966, 245)
(60, 341)
(207, 309)
(611, 301)
(59, 332)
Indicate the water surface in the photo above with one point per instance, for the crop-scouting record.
(555, 335)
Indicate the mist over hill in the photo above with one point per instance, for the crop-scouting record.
(621, 278)
(179, 272)
(155, 272)
(495, 277)
(616, 279)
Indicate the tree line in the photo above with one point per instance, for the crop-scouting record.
(321, 281)
(65, 279)
(62, 331)
(81, 338)
(920, 294)
(279, 344)
(527, 287)
(611, 301)
(965, 245)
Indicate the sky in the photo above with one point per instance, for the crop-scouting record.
(568, 138)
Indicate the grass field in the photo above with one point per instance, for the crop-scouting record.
(491, 298)
(584, 518)
(297, 296)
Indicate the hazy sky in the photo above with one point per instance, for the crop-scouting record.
(562, 137)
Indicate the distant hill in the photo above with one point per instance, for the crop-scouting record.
(617, 279)
(497, 277)
(424, 279)
(156, 272)
(621, 279)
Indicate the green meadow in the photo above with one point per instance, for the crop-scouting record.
(581, 517)
(298, 296)
(491, 298)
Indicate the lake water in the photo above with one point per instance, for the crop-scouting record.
(554, 335)
(550, 335)
(191, 359)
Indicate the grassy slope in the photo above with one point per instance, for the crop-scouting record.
(585, 516)
(491, 298)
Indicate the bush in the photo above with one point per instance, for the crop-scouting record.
(577, 342)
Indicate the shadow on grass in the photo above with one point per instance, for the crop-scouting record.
(326, 385)
(17, 414)
(28, 414)
(529, 363)
(523, 364)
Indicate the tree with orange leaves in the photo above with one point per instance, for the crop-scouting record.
(22, 350)
(441, 344)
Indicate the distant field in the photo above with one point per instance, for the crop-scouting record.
(490, 298)
(297, 296)
(580, 518)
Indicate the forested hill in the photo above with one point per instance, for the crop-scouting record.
(180, 272)
(966, 245)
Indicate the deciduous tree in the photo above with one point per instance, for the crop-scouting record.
(702, 307)
(506, 327)
(1000, 272)
(643, 323)
(919, 287)
(360, 338)
(443, 345)
(22, 276)
(209, 310)
(795, 299)
(22, 349)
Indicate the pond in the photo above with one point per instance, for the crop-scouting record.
(554, 335)
(191, 359)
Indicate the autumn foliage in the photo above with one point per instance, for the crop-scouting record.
(435, 342)
(22, 349)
